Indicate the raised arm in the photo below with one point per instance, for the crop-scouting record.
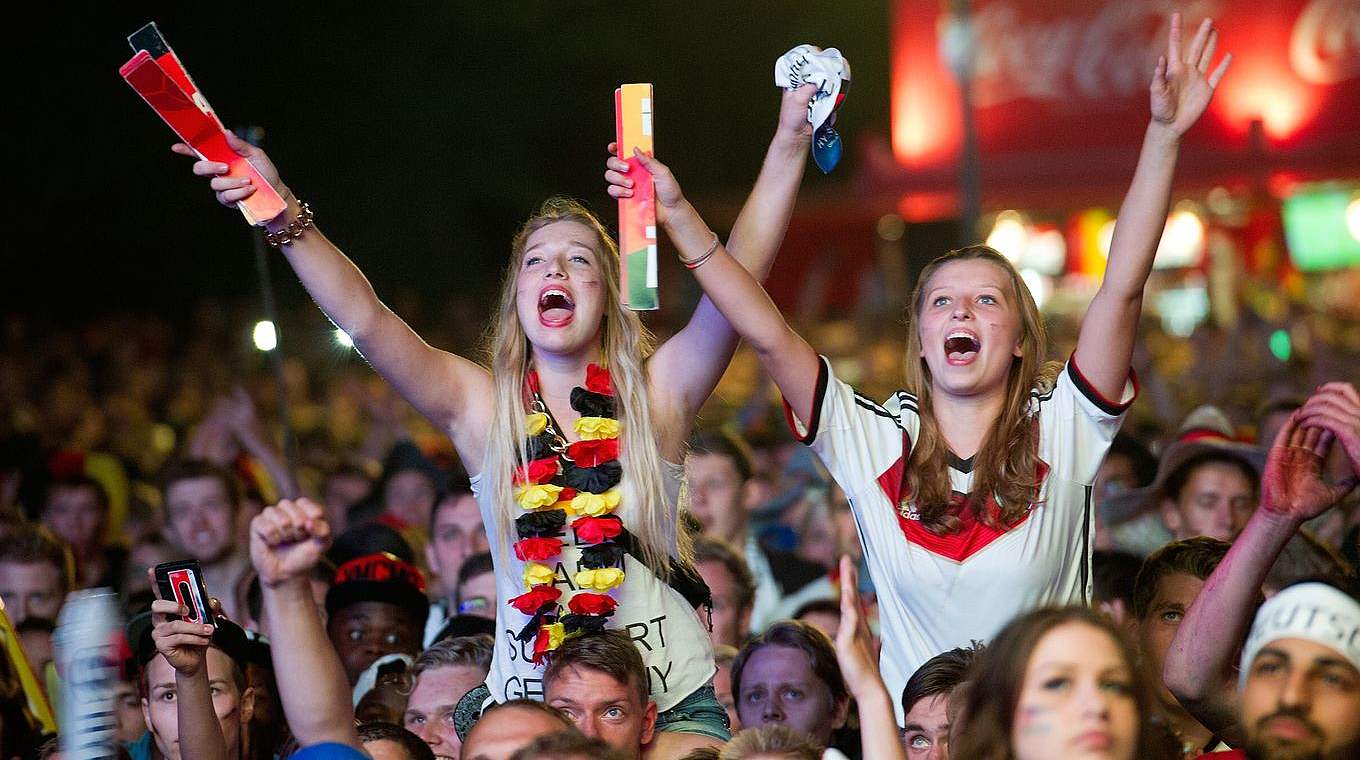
(238, 411)
(878, 733)
(286, 541)
(687, 367)
(185, 647)
(1181, 89)
(1197, 665)
(745, 306)
(445, 388)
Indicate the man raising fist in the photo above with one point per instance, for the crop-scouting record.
(286, 541)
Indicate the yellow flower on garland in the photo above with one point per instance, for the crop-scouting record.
(533, 497)
(594, 504)
(556, 633)
(597, 428)
(535, 423)
(537, 574)
(602, 579)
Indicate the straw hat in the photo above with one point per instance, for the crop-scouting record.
(1206, 430)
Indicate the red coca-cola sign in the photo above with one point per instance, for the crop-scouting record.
(1060, 90)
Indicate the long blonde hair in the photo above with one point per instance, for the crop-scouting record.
(626, 343)
(1007, 459)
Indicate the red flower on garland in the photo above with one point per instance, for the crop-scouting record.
(592, 604)
(596, 530)
(532, 381)
(543, 643)
(598, 381)
(537, 472)
(537, 596)
(594, 453)
(537, 549)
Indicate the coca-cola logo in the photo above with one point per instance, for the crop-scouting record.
(1325, 45)
(1106, 56)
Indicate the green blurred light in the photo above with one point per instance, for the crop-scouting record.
(1280, 345)
(1316, 228)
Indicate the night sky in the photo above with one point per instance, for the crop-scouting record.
(421, 133)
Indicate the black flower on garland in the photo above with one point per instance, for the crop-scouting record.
(591, 404)
(552, 487)
(592, 479)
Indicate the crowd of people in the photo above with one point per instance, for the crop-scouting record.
(562, 562)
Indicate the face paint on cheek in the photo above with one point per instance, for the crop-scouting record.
(1036, 721)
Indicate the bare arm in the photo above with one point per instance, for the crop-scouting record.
(239, 411)
(746, 307)
(1197, 665)
(1181, 89)
(185, 646)
(285, 543)
(687, 367)
(441, 385)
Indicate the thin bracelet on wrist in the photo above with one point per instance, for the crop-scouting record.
(695, 263)
(294, 230)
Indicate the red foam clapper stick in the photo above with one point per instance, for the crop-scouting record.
(156, 73)
(637, 215)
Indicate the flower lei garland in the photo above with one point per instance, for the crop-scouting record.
(577, 481)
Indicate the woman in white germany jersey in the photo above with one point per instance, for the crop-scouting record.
(971, 487)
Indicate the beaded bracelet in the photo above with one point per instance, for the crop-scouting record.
(294, 230)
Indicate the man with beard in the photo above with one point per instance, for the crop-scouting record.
(1299, 684)
(1300, 677)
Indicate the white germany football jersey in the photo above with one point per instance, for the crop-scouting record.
(940, 592)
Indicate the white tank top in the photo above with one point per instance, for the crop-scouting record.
(673, 642)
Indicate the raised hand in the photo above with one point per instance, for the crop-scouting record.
(231, 190)
(793, 114)
(1182, 85)
(184, 644)
(238, 412)
(1335, 408)
(1292, 485)
(287, 540)
(669, 197)
(855, 649)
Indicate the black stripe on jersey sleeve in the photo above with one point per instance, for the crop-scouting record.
(1112, 408)
(818, 396)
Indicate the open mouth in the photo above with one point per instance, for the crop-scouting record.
(961, 347)
(555, 307)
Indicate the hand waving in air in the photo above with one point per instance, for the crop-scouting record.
(1183, 85)
(857, 655)
(855, 650)
(1293, 485)
(287, 540)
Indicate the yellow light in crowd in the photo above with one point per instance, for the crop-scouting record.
(1353, 217)
(1009, 235)
(1104, 237)
(1037, 284)
(1047, 252)
(1182, 243)
(343, 338)
(266, 338)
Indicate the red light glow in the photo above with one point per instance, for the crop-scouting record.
(926, 123)
(1261, 89)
